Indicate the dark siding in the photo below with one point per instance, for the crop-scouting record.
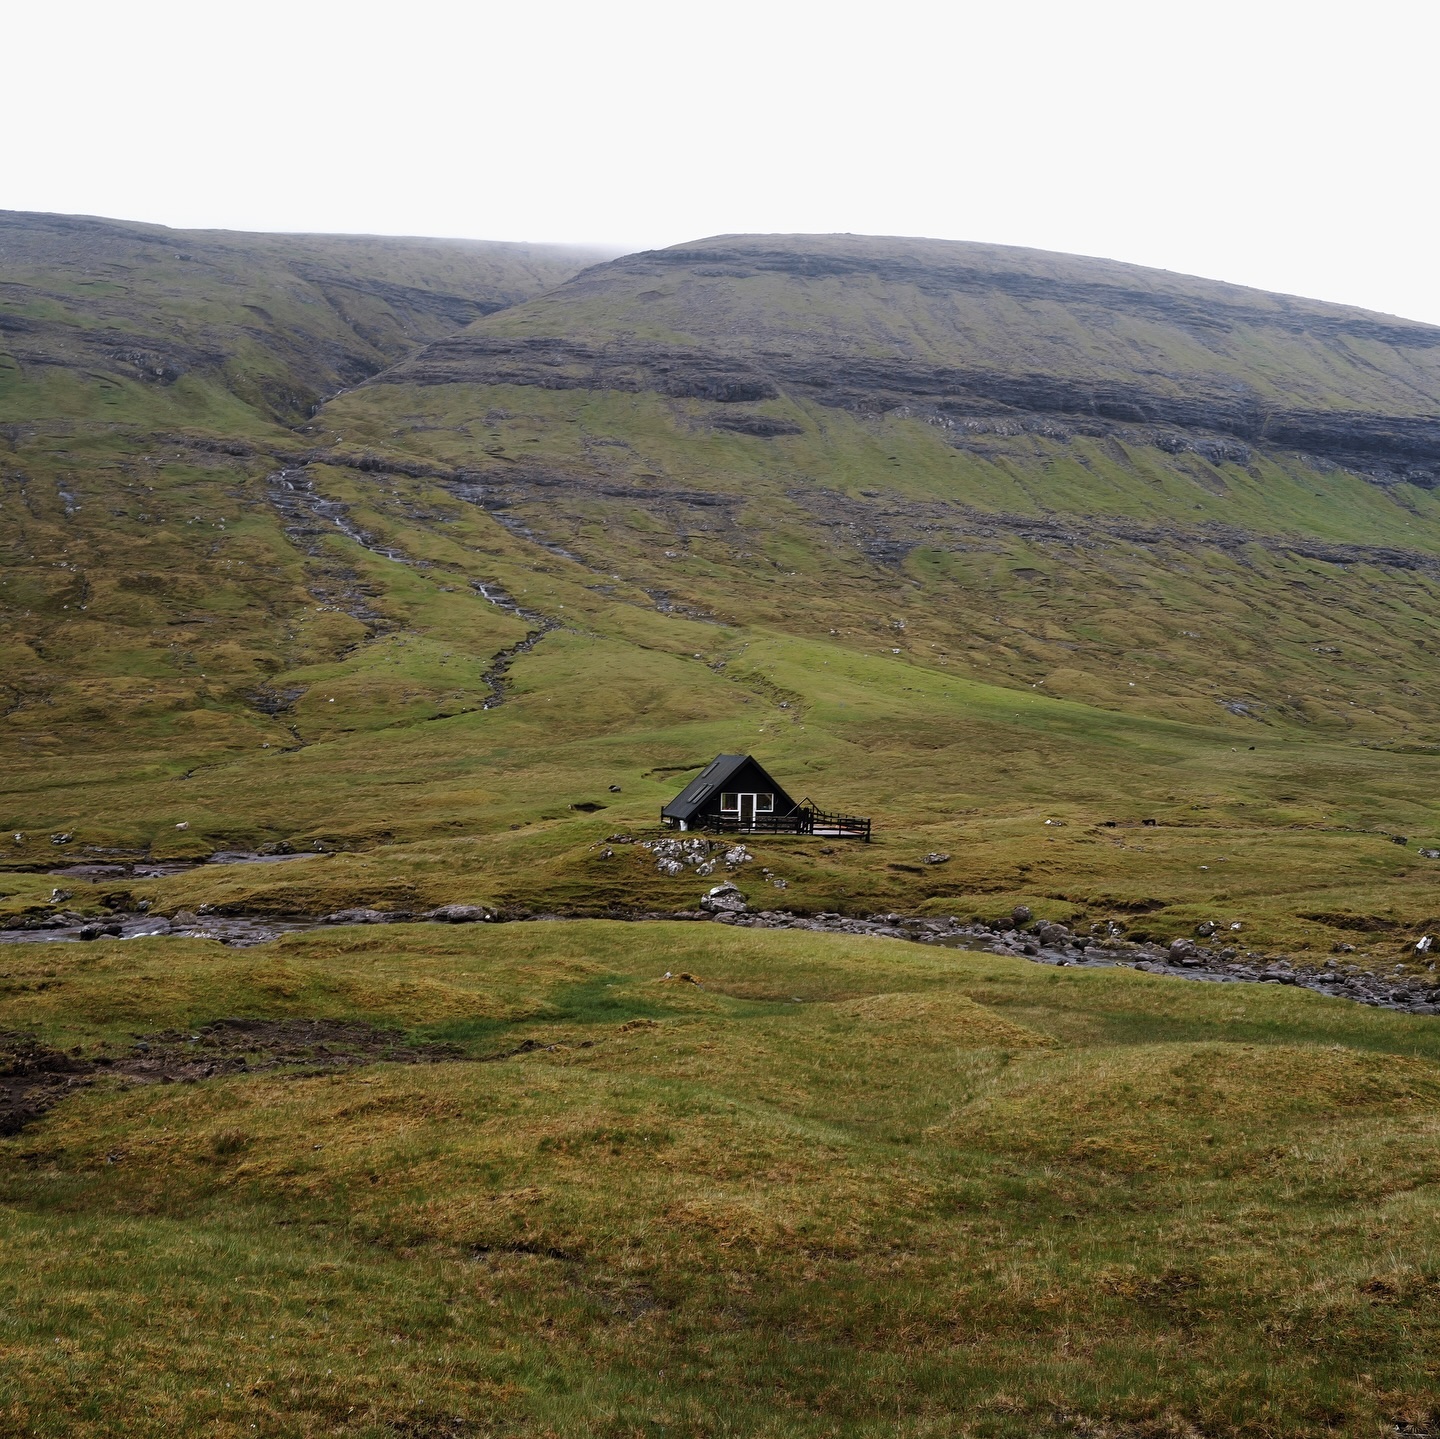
(748, 778)
(724, 774)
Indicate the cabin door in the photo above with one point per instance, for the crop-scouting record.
(747, 810)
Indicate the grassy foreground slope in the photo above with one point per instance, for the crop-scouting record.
(875, 510)
(838, 1187)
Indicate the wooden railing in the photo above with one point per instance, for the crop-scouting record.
(839, 826)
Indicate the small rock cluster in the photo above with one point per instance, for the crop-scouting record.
(674, 856)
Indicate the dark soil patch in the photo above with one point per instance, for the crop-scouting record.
(1361, 923)
(34, 1077)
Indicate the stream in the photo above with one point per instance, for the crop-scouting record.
(1402, 992)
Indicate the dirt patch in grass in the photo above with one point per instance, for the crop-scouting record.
(1360, 923)
(34, 1077)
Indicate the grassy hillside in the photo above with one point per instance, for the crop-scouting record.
(964, 621)
(132, 324)
(838, 1187)
(781, 304)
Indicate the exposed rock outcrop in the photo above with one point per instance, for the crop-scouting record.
(1089, 348)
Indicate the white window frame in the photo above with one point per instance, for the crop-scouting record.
(729, 802)
(764, 804)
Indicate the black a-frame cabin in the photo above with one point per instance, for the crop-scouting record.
(735, 794)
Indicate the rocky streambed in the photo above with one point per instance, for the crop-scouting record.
(1044, 942)
(239, 931)
(1405, 991)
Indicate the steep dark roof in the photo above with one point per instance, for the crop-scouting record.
(710, 779)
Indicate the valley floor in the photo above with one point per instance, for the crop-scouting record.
(604, 1179)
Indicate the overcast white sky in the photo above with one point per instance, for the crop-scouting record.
(1286, 145)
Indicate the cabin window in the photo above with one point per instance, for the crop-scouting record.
(764, 803)
(729, 802)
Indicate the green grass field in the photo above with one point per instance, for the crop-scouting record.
(838, 1187)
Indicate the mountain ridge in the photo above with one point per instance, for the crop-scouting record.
(1350, 388)
(279, 322)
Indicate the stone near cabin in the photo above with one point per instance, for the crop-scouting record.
(1021, 915)
(672, 855)
(1206, 928)
(936, 857)
(725, 898)
(1430, 854)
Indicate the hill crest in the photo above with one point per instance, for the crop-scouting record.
(968, 335)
